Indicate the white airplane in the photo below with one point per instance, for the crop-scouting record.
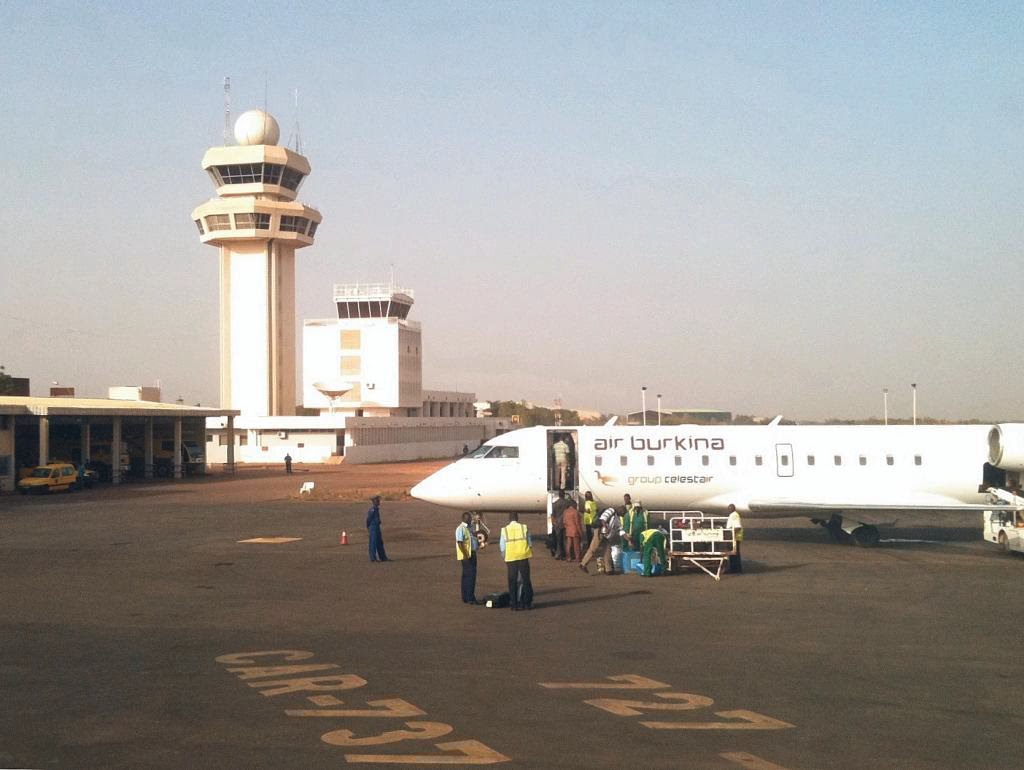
(842, 477)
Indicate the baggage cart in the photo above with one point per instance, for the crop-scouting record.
(697, 541)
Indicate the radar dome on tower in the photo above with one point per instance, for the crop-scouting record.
(256, 127)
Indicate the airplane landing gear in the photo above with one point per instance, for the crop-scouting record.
(865, 535)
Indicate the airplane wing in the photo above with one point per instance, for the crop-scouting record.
(866, 510)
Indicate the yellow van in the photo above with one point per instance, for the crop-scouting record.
(49, 478)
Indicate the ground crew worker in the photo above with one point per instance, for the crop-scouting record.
(287, 463)
(735, 523)
(465, 550)
(515, 544)
(589, 516)
(634, 523)
(373, 528)
(651, 539)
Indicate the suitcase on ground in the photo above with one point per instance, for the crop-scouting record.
(497, 600)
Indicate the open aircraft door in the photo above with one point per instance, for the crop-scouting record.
(784, 460)
(563, 460)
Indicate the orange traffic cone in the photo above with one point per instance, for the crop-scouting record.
(343, 540)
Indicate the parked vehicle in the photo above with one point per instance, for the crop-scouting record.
(50, 478)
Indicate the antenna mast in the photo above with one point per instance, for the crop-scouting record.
(297, 132)
(227, 111)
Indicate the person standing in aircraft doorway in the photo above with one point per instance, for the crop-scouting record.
(560, 454)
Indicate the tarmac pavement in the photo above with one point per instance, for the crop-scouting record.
(137, 631)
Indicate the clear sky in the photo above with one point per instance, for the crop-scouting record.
(762, 207)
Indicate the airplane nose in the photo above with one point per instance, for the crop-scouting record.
(428, 490)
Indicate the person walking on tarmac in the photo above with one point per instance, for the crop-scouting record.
(515, 544)
(573, 533)
(287, 463)
(608, 523)
(652, 540)
(373, 528)
(589, 517)
(735, 523)
(465, 550)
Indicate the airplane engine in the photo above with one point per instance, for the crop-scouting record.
(1006, 446)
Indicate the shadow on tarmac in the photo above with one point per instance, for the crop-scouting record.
(583, 600)
(904, 537)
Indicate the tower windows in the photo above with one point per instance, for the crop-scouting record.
(294, 224)
(256, 173)
(255, 221)
(199, 224)
(312, 229)
(215, 222)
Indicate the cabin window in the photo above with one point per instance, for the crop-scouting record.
(917, 459)
(622, 460)
(810, 459)
(838, 460)
(705, 460)
(784, 459)
(650, 459)
(732, 459)
(889, 460)
(863, 460)
(679, 460)
(758, 460)
(598, 459)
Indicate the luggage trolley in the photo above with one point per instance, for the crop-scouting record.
(696, 540)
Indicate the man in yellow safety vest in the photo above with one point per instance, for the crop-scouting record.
(515, 544)
(465, 551)
(589, 516)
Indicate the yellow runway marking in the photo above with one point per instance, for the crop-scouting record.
(750, 720)
(749, 761)
(470, 753)
(621, 682)
(271, 540)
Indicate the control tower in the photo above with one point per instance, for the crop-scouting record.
(258, 225)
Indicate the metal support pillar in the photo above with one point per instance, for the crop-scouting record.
(12, 466)
(177, 447)
(115, 452)
(148, 449)
(230, 465)
(86, 442)
(44, 440)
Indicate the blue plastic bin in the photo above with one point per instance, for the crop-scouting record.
(629, 559)
(656, 569)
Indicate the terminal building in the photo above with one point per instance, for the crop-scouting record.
(362, 392)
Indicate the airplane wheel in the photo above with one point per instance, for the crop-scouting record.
(1004, 542)
(866, 536)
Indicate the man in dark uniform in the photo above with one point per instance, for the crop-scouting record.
(373, 528)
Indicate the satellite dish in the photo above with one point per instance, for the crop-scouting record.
(334, 389)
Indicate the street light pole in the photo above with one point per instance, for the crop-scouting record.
(913, 396)
(659, 410)
(885, 404)
(643, 403)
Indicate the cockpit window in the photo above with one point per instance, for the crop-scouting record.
(491, 452)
